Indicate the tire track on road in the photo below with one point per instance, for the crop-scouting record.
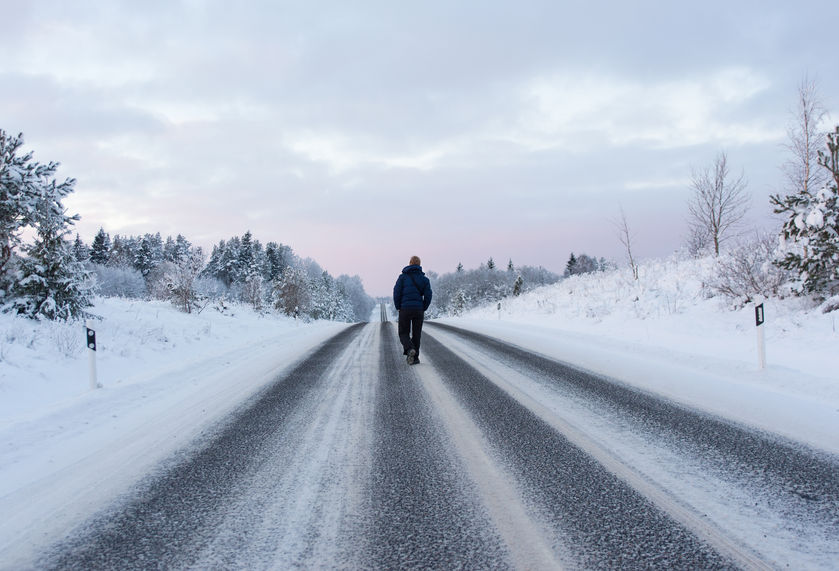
(591, 511)
(521, 532)
(426, 513)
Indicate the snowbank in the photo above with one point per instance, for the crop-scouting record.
(44, 365)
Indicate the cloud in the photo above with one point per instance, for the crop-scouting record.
(581, 112)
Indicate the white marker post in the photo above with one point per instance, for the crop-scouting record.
(499, 311)
(761, 341)
(90, 339)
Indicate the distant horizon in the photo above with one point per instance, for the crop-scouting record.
(208, 248)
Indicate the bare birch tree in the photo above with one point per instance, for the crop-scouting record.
(719, 202)
(805, 140)
(625, 237)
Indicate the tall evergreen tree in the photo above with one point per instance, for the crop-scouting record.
(182, 249)
(571, 265)
(100, 251)
(120, 254)
(246, 259)
(144, 258)
(169, 249)
(277, 258)
(231, 271)
(51, 283)
(80, 252)
(213, 266)
(156, 246)
(20, 179)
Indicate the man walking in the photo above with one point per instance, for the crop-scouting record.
(411, 296)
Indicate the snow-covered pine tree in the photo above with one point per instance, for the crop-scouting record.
(246, 261)
(182, 249)
(120, 254)
(246, 268)
(212, 269)
(100, 250)
(156, 244)
(20, 177)
(583, 264)
(809, 241)
(571, 265)
(277, 258)
(260, 258)
(518, 286)
(169, 249)
(80, 251)
(490, 264)
(230, 270)
(51, 283)
(144, 261)
(322, 297)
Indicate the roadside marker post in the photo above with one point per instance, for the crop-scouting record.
(761, 340)
(90, 340)
(499, 311)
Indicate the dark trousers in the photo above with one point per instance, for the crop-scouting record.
(410, 329)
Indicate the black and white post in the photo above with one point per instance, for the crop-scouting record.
(90, 340)
(499, 311)
(761, 341)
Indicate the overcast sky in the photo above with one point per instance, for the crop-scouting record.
(361, 133)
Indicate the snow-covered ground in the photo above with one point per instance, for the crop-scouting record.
(65, 449)
(165, 376)
(663, 334)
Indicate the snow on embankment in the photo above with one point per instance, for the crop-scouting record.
(664, 333)
(44, 365)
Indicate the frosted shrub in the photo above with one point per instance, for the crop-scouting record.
(179, 279)
(253, 292)
(157, 280)
(747, 271)
(212, 288)
(68, 338)
(119, 281)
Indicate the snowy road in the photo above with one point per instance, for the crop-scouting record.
(483, 456)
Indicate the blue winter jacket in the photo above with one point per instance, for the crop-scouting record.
(406, 295)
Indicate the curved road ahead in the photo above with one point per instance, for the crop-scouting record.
(482, 456)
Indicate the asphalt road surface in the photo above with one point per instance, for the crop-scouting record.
(482, 456)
